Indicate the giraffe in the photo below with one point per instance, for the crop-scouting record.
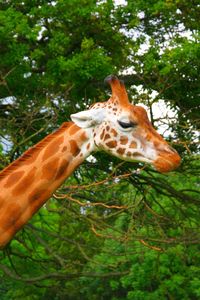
(115, 126)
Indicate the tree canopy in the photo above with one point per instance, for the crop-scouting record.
(114, 230)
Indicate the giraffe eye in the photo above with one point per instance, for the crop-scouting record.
(127, 125)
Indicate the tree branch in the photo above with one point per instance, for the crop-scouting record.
(60, 276)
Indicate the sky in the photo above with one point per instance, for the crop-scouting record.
(120, 2)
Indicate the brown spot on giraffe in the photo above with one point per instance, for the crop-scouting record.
(114, 132)
(123, 140)
(83, 136)
(37, 198)
(75, 150)
(49, 170)
(53, 147)
(64, 149)
(62, 169)
(111, 144)
(121, 151)
(25, 215)
(36, 195)
(107, 137)
(137, 154)
(14, 178)
(24, 183)
(11, 215)
(133, 145)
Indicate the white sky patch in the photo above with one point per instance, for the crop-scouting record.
(163, 115)
(40, 34)
(120, 2)
(6, 143)
(26, 75)
(8, 100)
(91, 159)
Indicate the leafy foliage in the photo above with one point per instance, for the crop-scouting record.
(121, 231)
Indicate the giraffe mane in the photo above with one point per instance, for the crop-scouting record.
(34, 150)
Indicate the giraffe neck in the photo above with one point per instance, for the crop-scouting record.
(29, 181)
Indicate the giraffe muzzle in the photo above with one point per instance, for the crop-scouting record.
(167, 161)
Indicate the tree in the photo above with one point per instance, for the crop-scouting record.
(113, 230)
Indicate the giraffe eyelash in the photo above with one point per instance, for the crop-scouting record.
(125, 125)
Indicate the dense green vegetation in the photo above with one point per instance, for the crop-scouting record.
(122, 231)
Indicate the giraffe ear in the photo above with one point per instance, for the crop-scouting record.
(88, 118)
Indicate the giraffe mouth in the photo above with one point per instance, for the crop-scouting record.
(167, 160)
(137, 157)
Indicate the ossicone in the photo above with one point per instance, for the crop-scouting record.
(118, 89)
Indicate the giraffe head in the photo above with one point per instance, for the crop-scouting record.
(124, 130)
